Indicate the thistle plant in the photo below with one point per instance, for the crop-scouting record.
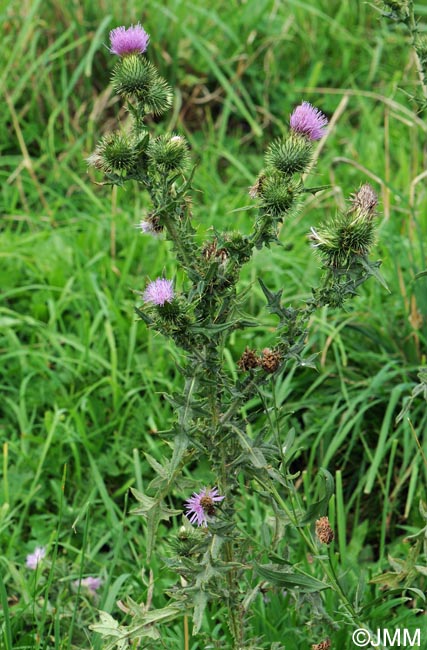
(221, 566)
(402, 11)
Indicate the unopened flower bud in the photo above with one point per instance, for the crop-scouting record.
(159, 96)
(350, 235)
(169, 153)
(278, 197)
(115, 153)
(290, 156)
(133, 76)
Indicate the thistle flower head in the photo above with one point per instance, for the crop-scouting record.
(150, 226)
(308, 121)
(201, 506)
(127, 41)
(159, 292)
(364, 201)
(33, 559)
(90, 583)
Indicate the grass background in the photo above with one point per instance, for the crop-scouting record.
(82, 381)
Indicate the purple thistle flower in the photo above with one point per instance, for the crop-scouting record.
(308, 121)
(159, 292)
(202, 505)
(148, 227)
(92, 584)
(34, 559)
(127, 41)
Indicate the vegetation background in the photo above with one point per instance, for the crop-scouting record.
(82, 380)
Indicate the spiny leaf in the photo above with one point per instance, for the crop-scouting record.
(298, 581)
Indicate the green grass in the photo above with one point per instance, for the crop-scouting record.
(82, 381)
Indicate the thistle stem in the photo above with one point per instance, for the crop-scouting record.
(184, 255)
(412, 26)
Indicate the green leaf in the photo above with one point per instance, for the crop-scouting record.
(297, 581)
(109, 627)
(255, 454)
(154, 510)
(200, 602)
(372, 269)
(318, 188)
(318, 509)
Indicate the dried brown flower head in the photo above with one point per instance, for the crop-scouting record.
(248, 360)
(270, 360)
(365, 201)
(324, 532)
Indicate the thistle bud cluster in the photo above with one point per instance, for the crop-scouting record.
(136, 154)
(278, 188)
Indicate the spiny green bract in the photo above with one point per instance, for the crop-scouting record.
(133, 76)
(399, 7)
(345, 237)
(116, 153)
(169, 153)
(278, 197)
(290, 156)
(159, 96)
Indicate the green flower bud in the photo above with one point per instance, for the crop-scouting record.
(290, 156)
(159, 96)
(278, 197)
(169, 153)
(133, 75)
(115, 153)
(400, 8)
(349, 235)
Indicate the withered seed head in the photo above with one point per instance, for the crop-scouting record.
(270, 360)
(324, 532)
(248, 360)
(365, 200)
